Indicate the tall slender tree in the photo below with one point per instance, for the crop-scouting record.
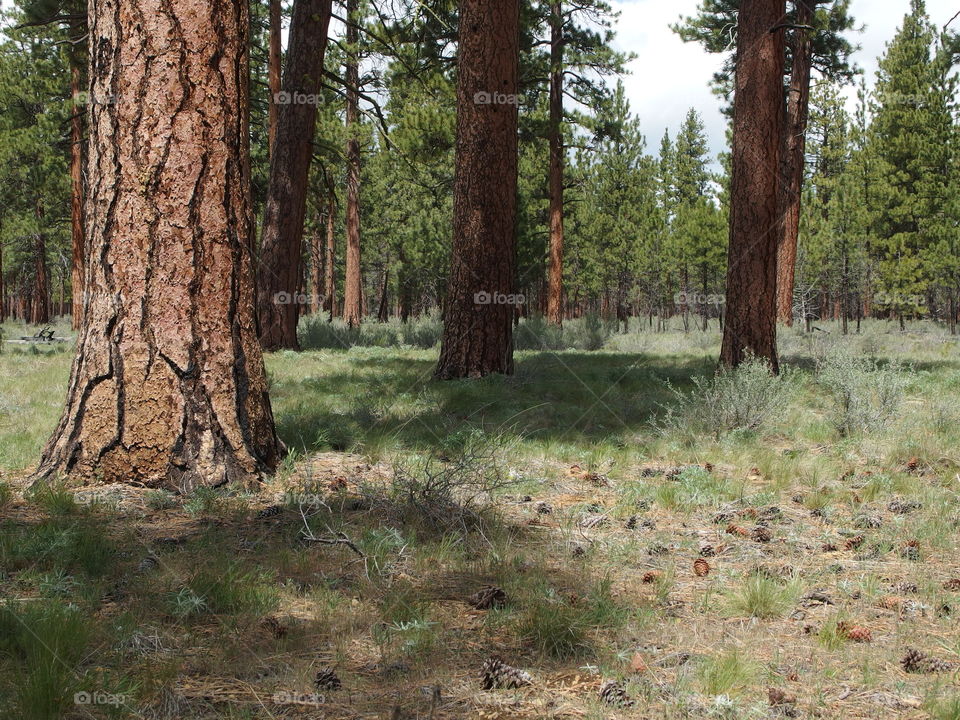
(353, 284)
(751, 325)
(168, 386)
(478, 314)
(280, 268)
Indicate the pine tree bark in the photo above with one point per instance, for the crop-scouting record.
(76, 182)
(168, 386)
(794, 159)
(316, 269)
(281, 241)
(555, 281)
(40, 302)
(274, 71)
(353, 290)
(329, 277)
(478, 323)
(751, 326)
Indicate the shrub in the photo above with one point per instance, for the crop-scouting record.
(742, 398)
(866, 394)
(316, 332)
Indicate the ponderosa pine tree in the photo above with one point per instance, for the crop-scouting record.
(353, 281)
(751, 323)
(280, 268)
(168, 387)
(815, 41)
(478, 309)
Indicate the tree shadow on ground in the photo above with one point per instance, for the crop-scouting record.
(575, 397)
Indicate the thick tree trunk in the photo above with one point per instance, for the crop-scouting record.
(555, 281)
(274, 62)
(281, 253)
(478, 314)
(168, 386)
(793, 160)
(329, 276)
(76, 187)
(751, 323)
(352, 291)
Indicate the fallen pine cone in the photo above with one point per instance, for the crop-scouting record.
(497, 675)
(487, 597)
(952, 585)
(338, 484)
(708, 551)
(543, 508)
(828, 547)
(652, 576)
(779, 697)
(614, 693)
(854, 542)
(890, 602)
(701, 567)
(916, 661)
(737, 530)
(912, 464)
(631, 523)
(762, 534)
(274, 627)
(855, 633)
(327, 679)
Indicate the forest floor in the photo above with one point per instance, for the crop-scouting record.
(739, 547)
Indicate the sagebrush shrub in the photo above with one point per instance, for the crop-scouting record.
(866, 393)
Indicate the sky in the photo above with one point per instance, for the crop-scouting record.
(669, 77)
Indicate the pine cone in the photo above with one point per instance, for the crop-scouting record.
(497, 675)
(631, 523)
(543, 508)
(779, 697)
(327, 679)
(868, 522)
(652, 576)
(855, 633)
(489, 596)
(916, 661)
(854, 542)
(890, 602)
(900, 507)
(269, 512)
(910, 550)
(147, 564)
(952, 585)
(708, 551)
(701, 567)
(737, 530)
(274, 627)
(614, 693)
(828, 547)
(762, 534)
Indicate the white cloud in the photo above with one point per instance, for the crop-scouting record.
(669, 77)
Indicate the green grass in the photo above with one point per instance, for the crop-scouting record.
(395, 615)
